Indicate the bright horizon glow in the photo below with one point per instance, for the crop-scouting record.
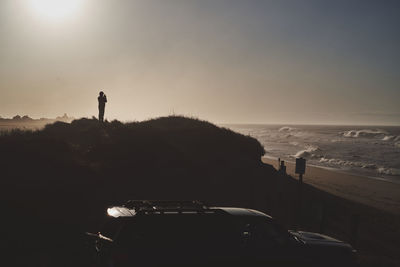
(56, 9)
(226, 61)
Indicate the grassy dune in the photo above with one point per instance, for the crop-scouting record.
(56, 182)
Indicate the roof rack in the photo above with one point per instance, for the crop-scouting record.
(166, 205)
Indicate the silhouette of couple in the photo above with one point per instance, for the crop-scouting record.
(102, 105)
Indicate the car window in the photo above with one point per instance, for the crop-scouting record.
(259, 232)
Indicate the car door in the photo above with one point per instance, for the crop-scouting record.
(265, 242)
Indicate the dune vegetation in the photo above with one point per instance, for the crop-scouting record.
(58, 181)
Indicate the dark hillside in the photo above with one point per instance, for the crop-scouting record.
(57, 181)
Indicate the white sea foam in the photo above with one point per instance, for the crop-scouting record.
(287, 129)
(369, 166)
(288, 132)
(340, 162)
(308, 152)
(389, 171)
(389, 138)
(348, 163)
(367, 133)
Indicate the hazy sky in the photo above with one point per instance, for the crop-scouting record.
(227, 61)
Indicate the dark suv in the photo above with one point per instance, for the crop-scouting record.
(189, 233)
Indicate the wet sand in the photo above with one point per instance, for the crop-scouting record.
(379, 194)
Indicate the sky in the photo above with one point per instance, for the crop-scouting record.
(226, 61)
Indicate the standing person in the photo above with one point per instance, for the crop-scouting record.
(102, 105)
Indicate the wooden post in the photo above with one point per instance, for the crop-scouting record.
(300, 202)
(355, 223)
(322, 219)
(300, 169)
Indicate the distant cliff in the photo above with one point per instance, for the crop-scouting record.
(26, 122)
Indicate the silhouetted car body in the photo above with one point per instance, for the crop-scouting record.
(191, 234)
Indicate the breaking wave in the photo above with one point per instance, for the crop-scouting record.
(308, 152)
(287, 129)
(287, 132)
(388, 138)
(364, 133)
(394, 138)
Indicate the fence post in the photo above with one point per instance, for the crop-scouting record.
(300, 169)
(355, 224)
(322, 218)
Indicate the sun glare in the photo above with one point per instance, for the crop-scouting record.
(56, 9)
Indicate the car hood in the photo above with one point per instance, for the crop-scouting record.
(309, 238)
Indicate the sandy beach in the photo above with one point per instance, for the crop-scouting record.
(379, 194)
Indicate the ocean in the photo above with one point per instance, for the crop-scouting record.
(363, 150)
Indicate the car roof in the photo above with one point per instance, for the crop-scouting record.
(242, 212)
(122, 211)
